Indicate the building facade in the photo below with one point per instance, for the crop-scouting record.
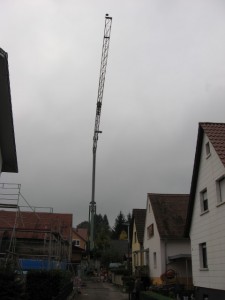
(206, 212)
(166, 249)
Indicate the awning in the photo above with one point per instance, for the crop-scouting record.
(180, 257)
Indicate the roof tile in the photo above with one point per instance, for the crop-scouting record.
(216, 135)
(170, 211)
(34, 225)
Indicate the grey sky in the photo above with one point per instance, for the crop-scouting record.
(166, 73)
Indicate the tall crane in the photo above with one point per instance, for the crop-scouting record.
(105, 50)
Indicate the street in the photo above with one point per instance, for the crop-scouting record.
(101, 291)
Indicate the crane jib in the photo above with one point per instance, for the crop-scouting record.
(104, 57)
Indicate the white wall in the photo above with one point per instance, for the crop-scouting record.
(153, 244)
(209, 227)
(0, 161)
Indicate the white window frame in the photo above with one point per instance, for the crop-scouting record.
(76, 242)
(220, 188)
(204, 201)
(207, 149)
(203, 256)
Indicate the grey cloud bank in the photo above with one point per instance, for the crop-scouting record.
(166, 73)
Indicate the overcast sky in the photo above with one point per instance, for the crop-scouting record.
(165, 74)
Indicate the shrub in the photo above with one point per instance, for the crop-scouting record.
(11, 287)
(46, 284)
(153, 296)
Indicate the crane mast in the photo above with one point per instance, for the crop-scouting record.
(105, 50)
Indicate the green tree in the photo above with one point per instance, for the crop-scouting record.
(102, 233)
(84, 224)
(129, 218)
(119, 226)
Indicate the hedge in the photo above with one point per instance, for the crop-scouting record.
(153, 296)
(11, 287)
(45, 285)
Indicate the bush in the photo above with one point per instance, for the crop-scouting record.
(128, 282)
(153, 296)
(46, 284)
(11, 287)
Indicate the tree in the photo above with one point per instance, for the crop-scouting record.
(119, 226)
(84, 224)
(102, 232)
(129, 218)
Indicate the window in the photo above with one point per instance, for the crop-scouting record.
(150, 230)
(204, 200)
(135, 237)
(203, 256)
(154, 260)
(207, 149)
(221, 190)
(76, 242)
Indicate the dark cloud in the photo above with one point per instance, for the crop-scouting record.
(165, 74)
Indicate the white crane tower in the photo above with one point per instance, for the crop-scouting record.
(105, 50)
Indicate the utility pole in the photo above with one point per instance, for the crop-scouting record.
(105, 50)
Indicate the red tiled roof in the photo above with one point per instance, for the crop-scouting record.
(170, 211)
(34, 225)
(82, 232)
(216, 135)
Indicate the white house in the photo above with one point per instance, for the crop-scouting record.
(8, 157)
(167, 251)
(206, 213)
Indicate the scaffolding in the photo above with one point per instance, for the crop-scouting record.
(31, 237)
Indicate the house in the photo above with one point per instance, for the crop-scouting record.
(37, 240)
(137, 239)
(8, 157)
(79, 244)
(167, 251)
(206, 212)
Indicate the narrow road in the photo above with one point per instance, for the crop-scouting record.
(101, 291)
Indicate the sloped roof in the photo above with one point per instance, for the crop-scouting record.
(216, 134)
(170, 211)
(81, 232)
(32, 225)
(138, 216)
(7, 137)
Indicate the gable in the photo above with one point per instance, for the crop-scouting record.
(81, 233)
(151, 229)
(215, 133)
(138, 218)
